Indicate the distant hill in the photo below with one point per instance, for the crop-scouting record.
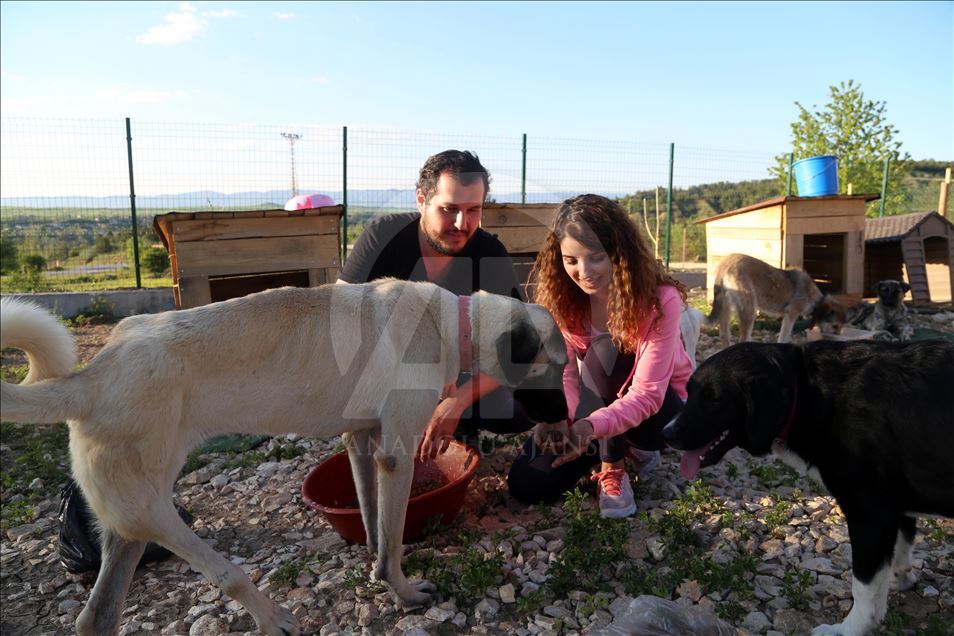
(701, 201)
(389, 199)
(922, 184)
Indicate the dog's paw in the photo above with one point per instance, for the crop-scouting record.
(903, 581)
(418, 594)
(281, 622)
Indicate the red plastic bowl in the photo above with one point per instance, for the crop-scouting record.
(329, 489)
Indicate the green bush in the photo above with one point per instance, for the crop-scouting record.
(154, 260)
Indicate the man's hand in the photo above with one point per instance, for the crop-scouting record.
(578, 440)
(442, 425)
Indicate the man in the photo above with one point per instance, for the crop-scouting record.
(443, 243)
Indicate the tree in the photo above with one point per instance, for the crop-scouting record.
(9, 255)
(856, 131)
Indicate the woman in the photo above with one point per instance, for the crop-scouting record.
(626, 377)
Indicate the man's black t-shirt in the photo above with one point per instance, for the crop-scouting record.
(389, 247)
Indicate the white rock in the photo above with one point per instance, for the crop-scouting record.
(507, 593)
(439, 614)
(486, 610)
(208, 625)
(756, 622)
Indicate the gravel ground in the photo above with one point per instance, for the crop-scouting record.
(786, 535)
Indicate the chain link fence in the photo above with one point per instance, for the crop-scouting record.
(67, 187)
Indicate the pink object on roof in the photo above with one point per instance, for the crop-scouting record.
(308, 201)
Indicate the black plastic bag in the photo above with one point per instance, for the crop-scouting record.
(79, 547)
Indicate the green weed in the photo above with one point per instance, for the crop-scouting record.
(774, 474)
(15, 373)
(592, 545)
(531, 603)
(286, 574)
(796, 587)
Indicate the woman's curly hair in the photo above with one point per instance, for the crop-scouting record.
(601, 224)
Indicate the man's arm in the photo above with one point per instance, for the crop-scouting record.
(446, 417)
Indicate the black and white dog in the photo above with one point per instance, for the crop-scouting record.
(888, 315)
(873, 420)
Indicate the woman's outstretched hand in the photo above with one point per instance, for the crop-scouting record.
(578, 439)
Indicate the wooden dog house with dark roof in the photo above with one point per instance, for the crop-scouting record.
(917, 248)
(822, 235)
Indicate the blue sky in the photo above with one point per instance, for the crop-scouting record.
(713, 75)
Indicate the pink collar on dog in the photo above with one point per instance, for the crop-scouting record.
(783, 434)
(465, 338)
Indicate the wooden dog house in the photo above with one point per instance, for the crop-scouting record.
(220, 255)
(917, 248)
(522, 228)
(822, 235)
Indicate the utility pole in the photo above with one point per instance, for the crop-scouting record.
(292, 138)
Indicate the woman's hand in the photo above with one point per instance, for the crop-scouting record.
(578, 440)
(551, 438)
(442, 425)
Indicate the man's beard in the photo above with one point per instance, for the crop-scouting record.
(438, 247)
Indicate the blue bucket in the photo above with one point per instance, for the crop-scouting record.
(816, 176)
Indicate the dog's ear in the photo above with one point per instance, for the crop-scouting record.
(516, 349)
(769, 396)
(905, 288)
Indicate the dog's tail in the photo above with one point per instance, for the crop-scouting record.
(51, 353)
(718, 304)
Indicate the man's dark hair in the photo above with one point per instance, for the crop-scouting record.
(463, 165)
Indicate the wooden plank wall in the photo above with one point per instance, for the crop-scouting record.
(522, 228)
(222, 255)
(757, 233)
(828, 216)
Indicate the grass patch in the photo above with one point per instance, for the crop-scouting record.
(593, 546)
(686, 556)
(36, 452)
(796, 587)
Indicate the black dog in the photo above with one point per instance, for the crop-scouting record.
(888, 314)
(873, 419)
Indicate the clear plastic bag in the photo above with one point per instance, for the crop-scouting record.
(79, 547)
(655, 616)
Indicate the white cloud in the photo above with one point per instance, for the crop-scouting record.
(120, 96)
(319, 80)
(24, 105)
(284, 16)
(225, 13)
(178, 28)
(11, 76)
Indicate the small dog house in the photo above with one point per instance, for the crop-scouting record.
(822, 235)
(522, 228)
(917, 248)
(220, 255)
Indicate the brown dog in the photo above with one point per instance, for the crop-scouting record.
(746, 285)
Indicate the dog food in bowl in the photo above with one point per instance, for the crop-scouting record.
(437, 491)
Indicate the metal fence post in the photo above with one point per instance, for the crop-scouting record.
(884, 185)
(523, 172)
(132, 205)
(344, 193)
(672, 151)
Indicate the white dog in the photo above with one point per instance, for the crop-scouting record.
(367, 362)
(690, 328)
